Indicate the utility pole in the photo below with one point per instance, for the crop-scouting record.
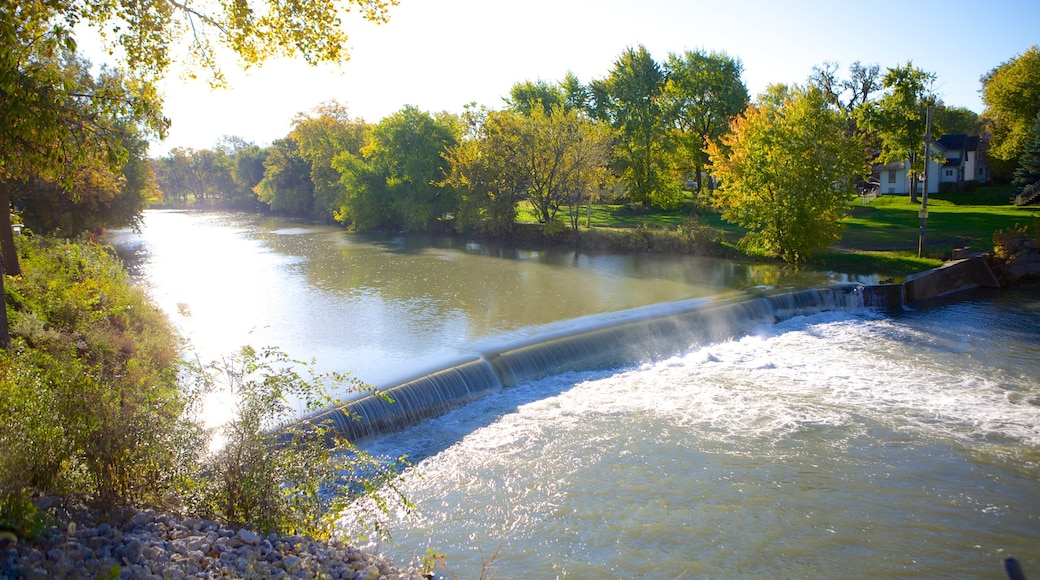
(923, 214)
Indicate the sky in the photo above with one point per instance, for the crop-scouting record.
(439, 55)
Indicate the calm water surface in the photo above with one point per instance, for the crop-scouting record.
(386, 308)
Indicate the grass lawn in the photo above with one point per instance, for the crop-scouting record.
(891, 223)
(881, 236)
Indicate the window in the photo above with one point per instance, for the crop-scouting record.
(891, 176)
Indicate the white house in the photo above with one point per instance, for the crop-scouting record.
(961, 162)
(964, 161)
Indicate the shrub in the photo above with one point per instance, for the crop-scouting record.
(95, 403)
(89, 387)
(272, 472)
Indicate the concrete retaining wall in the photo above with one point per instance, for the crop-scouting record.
(954, 276)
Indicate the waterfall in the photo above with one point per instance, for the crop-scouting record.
(594, 342)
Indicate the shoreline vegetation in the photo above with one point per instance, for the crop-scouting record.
(93, 385)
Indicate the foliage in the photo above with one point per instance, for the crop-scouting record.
(527, 96)
(55, 117)
(483, 177)
(320, 136)
(88, 388)
(395, 182)
(1011, 93)
(848, 94)
(702, 94)
(786, 171)
(631, 100)
(1013, 241)
(286, 187)
(1028, 171)
(94, 404)
(271, 472)
(957, 120)
(898, 118)
(100, 196)
(548, 159)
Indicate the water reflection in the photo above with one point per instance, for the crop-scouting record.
(382, 306)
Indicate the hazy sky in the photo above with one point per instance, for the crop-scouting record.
(441, 54)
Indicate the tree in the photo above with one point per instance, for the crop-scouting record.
(321, 135)
(54, 115)
(395, 181)
(1028, 172)
(898, 118)
(46, 124)
(1011, 93)
(850, 93)
(702, 94)
(99, 197)
(956, 120)
(549, 159)
(631, 100)
(787, 169)
(482, 173)
(527, 96)
(286, 187)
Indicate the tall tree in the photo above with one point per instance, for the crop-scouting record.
(1028, 172)
(703, 93)
(286, 187)
(550, 159)
(55, 116)
(321, 135)
(488, 184)
(786, 171)
(527, 96)
(631, 100)
(847, 94)
(956, 120)
(898, 118)
(395, 182)
(1011, 93)
(45, 117)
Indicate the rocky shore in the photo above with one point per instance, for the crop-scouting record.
(150, 545)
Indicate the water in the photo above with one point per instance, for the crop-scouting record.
(840, 445)
(390, 308)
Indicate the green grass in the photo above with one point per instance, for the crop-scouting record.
(881, 236)
(891, 223)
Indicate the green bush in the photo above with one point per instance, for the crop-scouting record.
(88, 387)
(96, 404)
(272, 472)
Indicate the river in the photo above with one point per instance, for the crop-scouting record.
(841, 444)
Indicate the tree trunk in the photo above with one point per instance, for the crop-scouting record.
(5, 336)
(10, 253)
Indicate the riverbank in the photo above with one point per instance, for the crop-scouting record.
(80, 543)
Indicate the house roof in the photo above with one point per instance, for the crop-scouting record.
(960, 142)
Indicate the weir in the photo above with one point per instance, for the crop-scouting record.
(594, 342)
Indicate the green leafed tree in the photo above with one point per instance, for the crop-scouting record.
(1028, 172)
(703, 93)
(1011, 94)
(786, 172)
(321, 135)
(898, 118)
(549, 159)
(286, 187)
(395, 182)
(46, 116)
(631, 99)
(526, 96)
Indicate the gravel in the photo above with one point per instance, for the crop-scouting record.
(150, 545)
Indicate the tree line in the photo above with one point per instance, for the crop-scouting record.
(653, 133)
